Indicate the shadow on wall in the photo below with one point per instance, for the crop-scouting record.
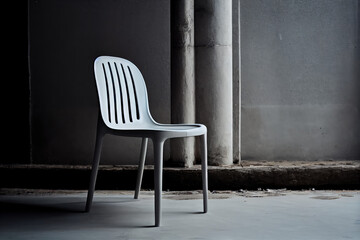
(65, 39)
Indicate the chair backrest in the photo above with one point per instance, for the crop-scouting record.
(122, 93)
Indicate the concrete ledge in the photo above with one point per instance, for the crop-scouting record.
(249, 175)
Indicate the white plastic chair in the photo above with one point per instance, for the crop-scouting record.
(124, 111)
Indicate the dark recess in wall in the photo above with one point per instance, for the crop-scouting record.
(15, 83)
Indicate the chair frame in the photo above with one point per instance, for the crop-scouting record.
(158, 133)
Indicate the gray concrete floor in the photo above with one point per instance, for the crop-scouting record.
(270, 214)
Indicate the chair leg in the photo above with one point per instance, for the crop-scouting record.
(158, 169)
(95, 165)
(204, 171)
(141, 167)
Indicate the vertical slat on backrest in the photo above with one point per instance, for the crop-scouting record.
(115, 92)
(125, 110)
(120, 93)
(105, 95)
(110, 93)
(129, 100)
(135, 93)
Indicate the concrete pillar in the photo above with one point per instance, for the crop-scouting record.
(236, 81)
(182, 78)
(214, 73)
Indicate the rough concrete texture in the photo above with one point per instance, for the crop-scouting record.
(248, 175)
(182, 151)
(236, 46)
(214, 102)
(300, 79)
(272, 214)
(213, 54)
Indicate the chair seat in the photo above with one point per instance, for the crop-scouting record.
(164, 131)
(185, 130)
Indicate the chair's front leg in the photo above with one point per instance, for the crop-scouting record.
(158, 169)
(141, 167)
(204, 171)
(94, 170)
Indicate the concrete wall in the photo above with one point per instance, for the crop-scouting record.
(65, 38)
(300, 79)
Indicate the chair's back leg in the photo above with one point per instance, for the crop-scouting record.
(158, 170)
(204, 170)
(94, 170)
(141, 167)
